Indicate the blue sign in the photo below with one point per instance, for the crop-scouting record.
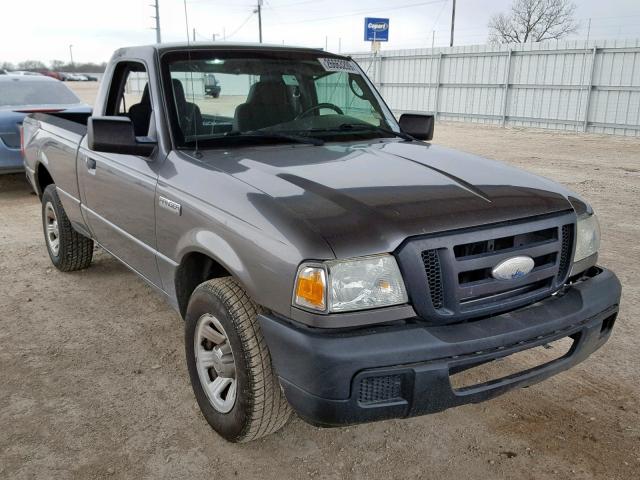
(376, 29)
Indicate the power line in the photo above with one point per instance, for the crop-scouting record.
(360, 12)
(435, 23)
(206, 37)
(268, 4)
(241, 25)
(294, 4)
(226, 6)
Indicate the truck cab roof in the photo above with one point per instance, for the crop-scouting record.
(173, 46)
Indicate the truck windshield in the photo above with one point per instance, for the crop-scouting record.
(239, 96)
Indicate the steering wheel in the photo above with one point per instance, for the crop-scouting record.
(313, 108)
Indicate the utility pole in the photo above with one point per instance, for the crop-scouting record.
(157, 18)
(194, 34)
(453, 21)
(71, 54)
(258, 10)
(433, 38)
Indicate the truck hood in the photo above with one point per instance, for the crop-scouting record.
(366, 198)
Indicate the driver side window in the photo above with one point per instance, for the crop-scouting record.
(342, 89)
(129, 96)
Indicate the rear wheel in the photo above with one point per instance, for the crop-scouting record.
(68, 249)
(229, 363)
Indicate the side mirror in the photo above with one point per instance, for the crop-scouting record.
(117, 135)
(418, 126)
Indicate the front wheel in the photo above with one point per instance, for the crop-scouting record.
(68, 249)
(230, 365)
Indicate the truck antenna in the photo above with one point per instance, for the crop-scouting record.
(193, 92)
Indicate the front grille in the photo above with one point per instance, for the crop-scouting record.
(431, 263)
(509, 242)
(565, 252)
(453, 279)
(380, 389)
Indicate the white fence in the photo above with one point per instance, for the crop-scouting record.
(573, 86)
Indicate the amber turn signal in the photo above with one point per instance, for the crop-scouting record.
(311, 286)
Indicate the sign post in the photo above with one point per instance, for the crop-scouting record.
(376, 30)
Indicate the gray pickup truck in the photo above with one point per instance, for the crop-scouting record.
(326, 257)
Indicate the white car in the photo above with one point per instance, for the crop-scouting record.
(75, 77)
(22, 72)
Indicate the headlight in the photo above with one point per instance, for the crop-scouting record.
(587, 237)
(352, 284)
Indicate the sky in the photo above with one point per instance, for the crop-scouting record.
(44, 29)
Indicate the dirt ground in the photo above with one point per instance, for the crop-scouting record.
(93, 381)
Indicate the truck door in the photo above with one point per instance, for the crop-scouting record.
(118, 191)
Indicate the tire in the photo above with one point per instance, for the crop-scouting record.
(259, 407)
(68, 249)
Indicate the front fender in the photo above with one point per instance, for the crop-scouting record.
(265, 269)
(258, 242)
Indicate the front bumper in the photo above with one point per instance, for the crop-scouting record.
(328, 378)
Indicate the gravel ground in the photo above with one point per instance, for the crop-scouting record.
(94, 382)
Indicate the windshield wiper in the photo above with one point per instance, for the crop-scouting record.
(276, 135)
(373, 128)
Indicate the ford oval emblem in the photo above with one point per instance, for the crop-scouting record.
(513, 268)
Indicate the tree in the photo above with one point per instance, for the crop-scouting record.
(7, 66)
(57, 65)
(31, 65)
(60, 66)
(533, 21)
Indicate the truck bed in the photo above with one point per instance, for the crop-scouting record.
(75, 122)
(53, 140)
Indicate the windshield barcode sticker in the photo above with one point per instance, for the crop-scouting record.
(338, 65)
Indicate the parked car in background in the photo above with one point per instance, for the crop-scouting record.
(75, 77)
(211, 85)
(51, 73)
(22, 73)
(24, 94)
(91, 78)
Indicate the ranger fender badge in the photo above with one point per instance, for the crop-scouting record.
(513, 268)
(170, 205)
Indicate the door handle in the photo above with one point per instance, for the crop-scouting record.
(91, 163)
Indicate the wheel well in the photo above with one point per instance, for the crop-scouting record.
(43, 178)
(194, 269)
